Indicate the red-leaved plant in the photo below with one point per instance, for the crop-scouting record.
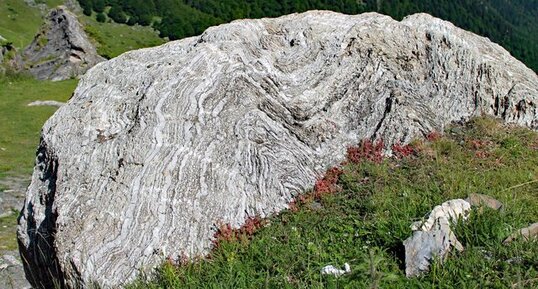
(225, 232)
(433, 136)
(367, 150)
(327, 184)
(402, 151)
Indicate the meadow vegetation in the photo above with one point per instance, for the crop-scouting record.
(20, 124)
(361, 212)
(8, 232)
(113, 39)
(18, 22)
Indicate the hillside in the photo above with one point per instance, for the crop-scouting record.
(511, 23)
(19, 23)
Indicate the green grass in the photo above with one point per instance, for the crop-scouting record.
(19, 132)
(21, 124)
(114, 39)
(18, 22)
(365, 222)
(8, 241)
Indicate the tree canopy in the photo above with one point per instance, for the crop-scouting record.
(511, 23)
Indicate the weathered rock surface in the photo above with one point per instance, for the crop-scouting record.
(9, 58)
(11, 272)
(433, 237)
(526, 234)
(480, 200)
(159, 145)
(46, 103)
(61, 50)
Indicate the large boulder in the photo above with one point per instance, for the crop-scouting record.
(159, 145)
(61, 49)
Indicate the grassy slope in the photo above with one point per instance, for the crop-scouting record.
(18, 22)
(19, 132)
(367, 220)
(114, 39)
(7, 232)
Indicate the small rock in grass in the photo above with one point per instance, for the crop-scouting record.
(480, 200)
(331, 270)
(315, 206)
(46, 103)
(528, 233)
(433, 238)
(450, 210)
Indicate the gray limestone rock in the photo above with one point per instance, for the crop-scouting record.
(159, 145)
(480, 200)
(46, 103)
(61, 50)
(433, 237)
(526, 234)
(11, 272)
(423, 247)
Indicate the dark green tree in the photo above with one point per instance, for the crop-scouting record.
(87, 7)
(100, 17)
(117, 14)
(132, 20)
(511, 23)
(99, 6)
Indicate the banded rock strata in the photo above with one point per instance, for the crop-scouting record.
(159, 145)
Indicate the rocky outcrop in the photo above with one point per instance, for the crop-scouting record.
(159, 145)
(9, 58)
(61, 50)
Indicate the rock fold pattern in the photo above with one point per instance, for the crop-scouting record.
(159, 145)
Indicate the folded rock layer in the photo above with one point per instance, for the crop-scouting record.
(159, 145)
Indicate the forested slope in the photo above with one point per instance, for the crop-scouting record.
(511, 23)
